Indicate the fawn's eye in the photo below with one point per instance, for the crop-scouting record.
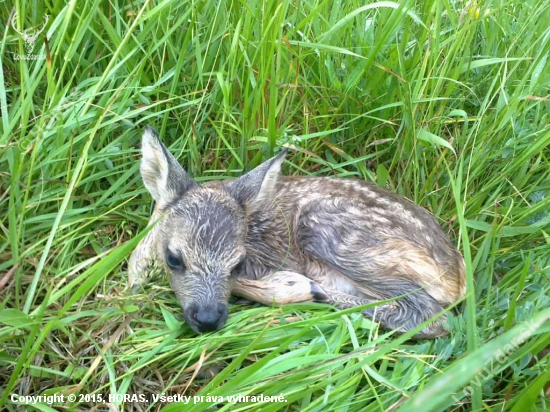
(238, 268)
(173, 261)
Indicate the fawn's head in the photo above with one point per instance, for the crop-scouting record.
(203, 231)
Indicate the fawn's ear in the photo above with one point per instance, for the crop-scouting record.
(161, 173)
(253, 188)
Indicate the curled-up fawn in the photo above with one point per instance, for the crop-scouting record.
(279, 239)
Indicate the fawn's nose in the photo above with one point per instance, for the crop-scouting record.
(210, 317)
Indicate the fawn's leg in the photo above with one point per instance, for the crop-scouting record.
(402, 314)
(279, 288)
(289, 287)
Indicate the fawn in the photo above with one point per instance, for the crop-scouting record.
(276, 239)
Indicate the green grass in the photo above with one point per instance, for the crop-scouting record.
(446, 103)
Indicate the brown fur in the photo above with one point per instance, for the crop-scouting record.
(276, 239)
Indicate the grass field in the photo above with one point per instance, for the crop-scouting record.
(446, 103)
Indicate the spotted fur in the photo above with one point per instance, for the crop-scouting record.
(276, 239)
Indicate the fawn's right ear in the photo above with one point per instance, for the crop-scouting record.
(161, 173)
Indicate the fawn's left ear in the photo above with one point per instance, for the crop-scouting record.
(161, 173)
(253, 188)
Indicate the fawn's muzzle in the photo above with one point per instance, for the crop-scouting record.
(206, 318)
